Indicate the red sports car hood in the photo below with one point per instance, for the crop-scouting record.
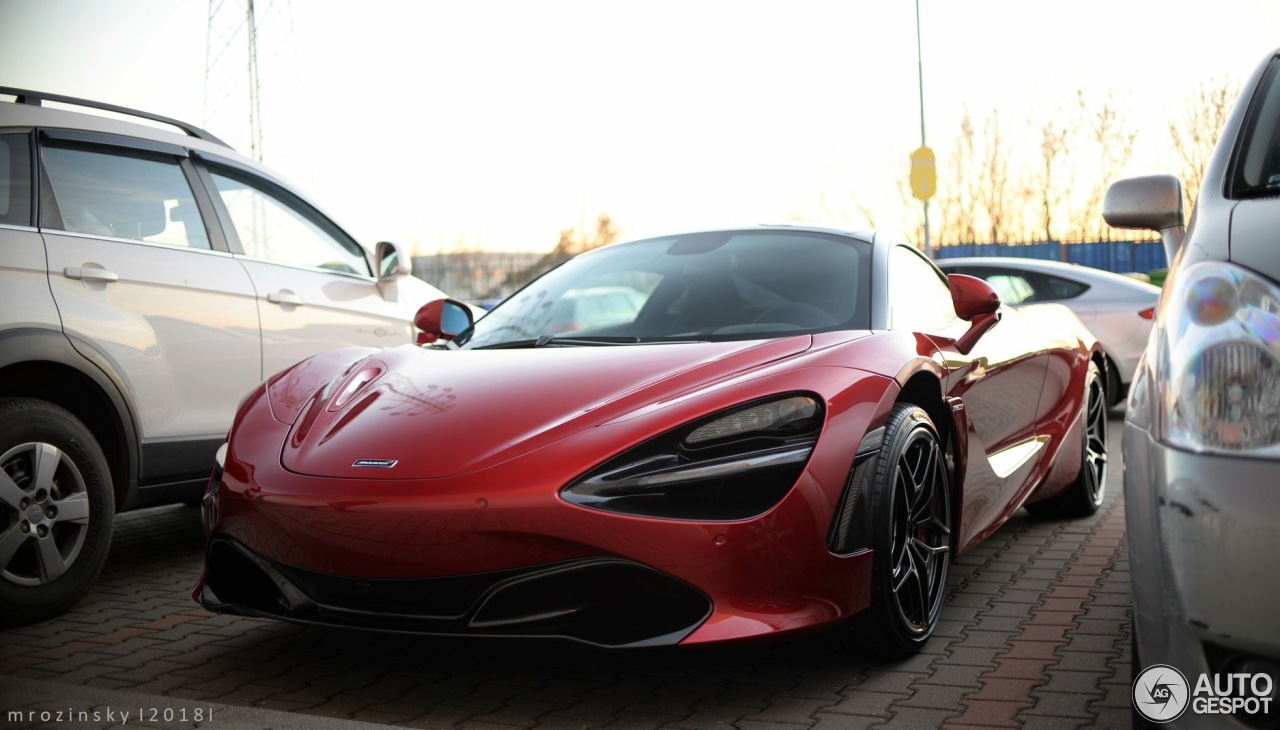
(438, 413)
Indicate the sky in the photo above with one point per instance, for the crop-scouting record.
(498, 123)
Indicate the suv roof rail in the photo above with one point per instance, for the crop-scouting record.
(35, 98)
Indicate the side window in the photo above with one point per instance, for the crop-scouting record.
(15, 179)
(1013, 288)
(141, 196)
(919, 298)
(273, 230)
(1051, 288)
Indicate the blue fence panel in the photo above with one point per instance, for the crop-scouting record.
(1149, 255)
(1119, 256)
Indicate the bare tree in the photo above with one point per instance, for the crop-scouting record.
(993, 190)
(846, 213)
(1047, 184)
(584, 237)
(574, 240)
(913, 214)
(1195, 133)
(1050, 189)
(1113, 141)
(957, 223)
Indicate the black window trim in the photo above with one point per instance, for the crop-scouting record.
(1234, 186)
(33, 202)
(128, 147)
(72, 137)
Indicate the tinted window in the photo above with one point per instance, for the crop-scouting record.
(123, 195)
(15, 179)
(1052, 288)
(919, 298)
(707, 286)
(274, 230)
(1013, 289)
(1017, 286)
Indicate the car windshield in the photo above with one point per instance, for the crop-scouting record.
(724, 285)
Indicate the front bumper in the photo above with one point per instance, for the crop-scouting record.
(1204, 543)
(603, 602)
(311, 543)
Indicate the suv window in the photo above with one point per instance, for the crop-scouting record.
(273, 230)
(133, 195)
(15, 179)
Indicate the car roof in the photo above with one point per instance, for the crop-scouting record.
(16, 114)
(862, 235)
(1062, 268)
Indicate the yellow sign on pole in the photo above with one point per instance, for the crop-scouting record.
(924, 175)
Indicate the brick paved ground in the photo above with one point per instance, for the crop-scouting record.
(1035, 634)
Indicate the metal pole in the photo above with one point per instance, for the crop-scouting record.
(928, 247)
(255, 111)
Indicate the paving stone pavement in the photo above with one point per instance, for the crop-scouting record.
(1035, 634)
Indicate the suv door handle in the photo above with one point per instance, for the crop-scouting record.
(90, 273)
(284, 296)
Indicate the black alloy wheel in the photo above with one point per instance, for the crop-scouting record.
(1085, 495)
(911, 539)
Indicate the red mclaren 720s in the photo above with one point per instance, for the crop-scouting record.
(708, 437)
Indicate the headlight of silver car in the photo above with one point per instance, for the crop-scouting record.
(1220, 357)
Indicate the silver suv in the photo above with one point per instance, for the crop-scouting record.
(149, 278)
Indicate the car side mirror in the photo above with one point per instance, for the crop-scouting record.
(392, 262)
(441, 319)
(1151, 203)
(972, 296)
(976, 302)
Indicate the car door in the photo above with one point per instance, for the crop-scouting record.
(141, 286)
(314, 284)
(997, 385)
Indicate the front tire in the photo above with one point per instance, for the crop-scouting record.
(1085, 495)
(910, 539)
(56, 510)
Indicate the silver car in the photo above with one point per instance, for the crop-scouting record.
(1117, 309)
(1202, 437)
(149, 279)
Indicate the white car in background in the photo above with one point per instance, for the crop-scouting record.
(1117, 309)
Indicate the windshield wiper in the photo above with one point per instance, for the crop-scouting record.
(559, 341)
(548, 340)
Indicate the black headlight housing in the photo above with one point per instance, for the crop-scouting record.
(733, 465)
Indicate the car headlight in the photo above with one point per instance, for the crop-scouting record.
(1220, 358)
(733, 465)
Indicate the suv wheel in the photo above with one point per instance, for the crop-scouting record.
(56, 509)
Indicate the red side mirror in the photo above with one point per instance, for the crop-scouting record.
(442, 319)
(972, 296)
